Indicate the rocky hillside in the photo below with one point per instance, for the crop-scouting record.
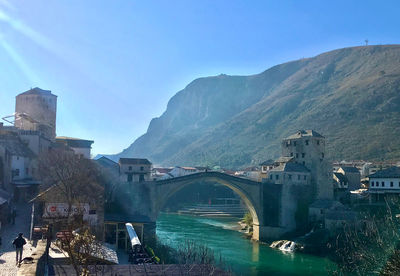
(351, 96)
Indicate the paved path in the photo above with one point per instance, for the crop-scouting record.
(8, 234)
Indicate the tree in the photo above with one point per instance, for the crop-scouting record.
(77, 182)
(372, 249)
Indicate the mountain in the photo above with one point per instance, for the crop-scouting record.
(350, 95)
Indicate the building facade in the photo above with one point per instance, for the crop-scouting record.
(307, 147)
(135, 169)
(35, 110)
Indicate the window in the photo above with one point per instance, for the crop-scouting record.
(298, 177)
(130, 168)
(306, 142)
(294, 143)
(290, 176)
(304, 163)
(277, 176)
(383, 183)
(297, 155)
(130, 178)
(270, 177)
(323, 155)
(141, 168)
(141, 178)
(391, 183)
(372, 183)
(302, 155)
(291, 154)
(17, 172)
(317, 142)
(305, 177)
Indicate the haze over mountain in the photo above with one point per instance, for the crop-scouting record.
(350, 95)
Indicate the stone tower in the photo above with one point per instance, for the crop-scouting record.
(36, 110)
(307, 147)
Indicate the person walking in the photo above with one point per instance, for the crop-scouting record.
(19, 243)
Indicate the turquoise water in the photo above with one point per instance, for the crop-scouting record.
(243, 256)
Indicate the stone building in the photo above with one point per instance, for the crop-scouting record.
(80, 147)
(135, 169)
(307, 147)
(35, 110)
(353, 177)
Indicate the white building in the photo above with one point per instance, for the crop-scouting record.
(384, 182)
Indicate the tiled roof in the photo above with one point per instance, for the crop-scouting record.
(37, 91)
(134, 161)
(304, 133)
(107, 163)
(341, 177)
(284, 159)
(392, 172)
(350, 169)
(268, 162)
(16, 146)
(291, 167)
(74, 142)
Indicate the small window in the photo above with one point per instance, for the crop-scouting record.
(317, 142)
(141, 168)
(277, 176)
(305, 177)
(291, 154)
(391, 183)
(17, 172)
(270, 177)
(298, 177)
(304, 163)
(372, 183)
(290, 176)
(306, 142)
(383, 183)
(130, 168)
(294, 143)
(297, 155)
(303, 155)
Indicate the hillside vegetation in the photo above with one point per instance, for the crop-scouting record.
(351, 96)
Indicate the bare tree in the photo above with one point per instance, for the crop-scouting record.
(77, 182)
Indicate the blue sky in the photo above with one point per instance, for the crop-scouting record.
(115, 64)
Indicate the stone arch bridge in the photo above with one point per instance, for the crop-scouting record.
(272, 206)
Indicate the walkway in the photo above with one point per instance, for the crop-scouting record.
(8, 234)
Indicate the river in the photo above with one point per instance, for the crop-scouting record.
(243, 256)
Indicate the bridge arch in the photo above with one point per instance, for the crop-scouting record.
(249, 191)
